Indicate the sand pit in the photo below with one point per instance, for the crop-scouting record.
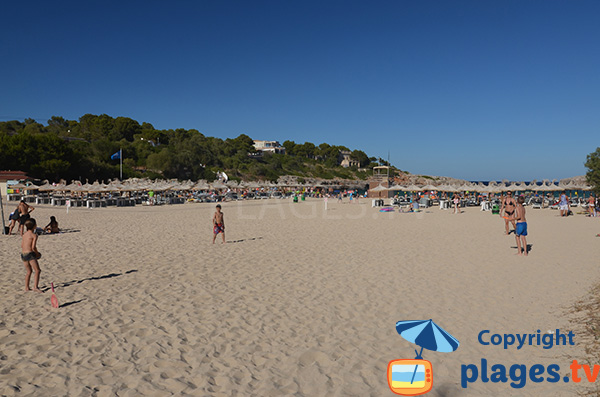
(299, 302)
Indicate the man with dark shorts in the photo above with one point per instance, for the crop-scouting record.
(507, 211)
(24, 210)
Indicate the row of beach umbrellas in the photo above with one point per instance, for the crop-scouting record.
(136, 184)
(490, 188)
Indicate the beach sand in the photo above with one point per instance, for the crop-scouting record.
(300, 302)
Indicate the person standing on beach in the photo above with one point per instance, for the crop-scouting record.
(592, 205)
(218, 224)
(30, 255)
(24, 211)
(456, 201)
(14, 217)
(521, 228)
(563, 204)
(507, 211)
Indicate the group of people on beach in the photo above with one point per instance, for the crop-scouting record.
(22, 213)
(513, 212)
(29, 231)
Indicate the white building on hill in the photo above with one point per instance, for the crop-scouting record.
(269, 147)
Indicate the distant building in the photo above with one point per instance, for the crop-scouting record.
(8, 178)
(383, 178)
(345, 160)
(269, 147)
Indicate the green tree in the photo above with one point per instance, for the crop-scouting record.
(290, 147)
(125, 128)
(361, 157)
(593, 173)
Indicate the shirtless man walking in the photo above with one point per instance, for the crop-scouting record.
(24, 209)
(521, 229)
(508, 209)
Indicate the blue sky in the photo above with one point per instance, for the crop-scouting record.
(471, 89)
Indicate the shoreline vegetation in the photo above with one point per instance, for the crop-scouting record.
(585, 317)
(81, 150)
(69, 150)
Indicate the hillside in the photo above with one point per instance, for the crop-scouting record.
(82, 149)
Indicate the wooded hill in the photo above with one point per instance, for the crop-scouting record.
(69, 149)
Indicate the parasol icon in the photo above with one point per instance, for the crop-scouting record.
(428, 335)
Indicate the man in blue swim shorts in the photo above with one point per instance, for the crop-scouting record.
(521, 229)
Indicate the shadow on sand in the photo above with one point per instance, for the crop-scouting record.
(529, 247)
(243, 240)
(110, 275)
(70, 303)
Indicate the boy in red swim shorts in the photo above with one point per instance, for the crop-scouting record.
(218, 224)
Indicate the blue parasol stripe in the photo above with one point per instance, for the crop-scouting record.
(412, 333)
(426, 338)
(452, 341)
(443, 344)
(404, 325)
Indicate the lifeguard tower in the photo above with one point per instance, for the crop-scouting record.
(381, 177)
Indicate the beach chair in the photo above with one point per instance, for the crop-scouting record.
(537, 202)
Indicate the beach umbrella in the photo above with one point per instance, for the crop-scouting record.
(428, 335)
(232, 184)
(396, 188)
(477, 187)
(413, 188)
(429, 187)
(379, 188)
(513, 187)
(201, 185)
(465, 187)
(19, 186)
(46, 187)
(494, 187)
(447, 188)
(75, 186)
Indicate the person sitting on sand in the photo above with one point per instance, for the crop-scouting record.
(218, 224)
(30, 255)
(521, 228)
(52, 227)
(508, 206)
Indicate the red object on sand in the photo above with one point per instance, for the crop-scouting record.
(54, 299)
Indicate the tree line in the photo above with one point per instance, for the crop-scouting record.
(593, 170)
(81, 149)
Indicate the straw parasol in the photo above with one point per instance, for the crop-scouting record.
(379, 188)
(47, 187)
(395, 188)
(446, 188)
(19, 186)
(413, 188)
(218, 185)
(74, 186)
(429, 187)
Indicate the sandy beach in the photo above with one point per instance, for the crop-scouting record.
(300, 302)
